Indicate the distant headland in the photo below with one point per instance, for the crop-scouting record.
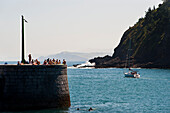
(150, 42)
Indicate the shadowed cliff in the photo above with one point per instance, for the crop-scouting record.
(150, 42)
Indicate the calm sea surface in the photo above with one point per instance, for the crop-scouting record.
(107, 91)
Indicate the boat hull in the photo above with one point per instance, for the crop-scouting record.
(132, 75)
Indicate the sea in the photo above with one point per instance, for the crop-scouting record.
(108, 91)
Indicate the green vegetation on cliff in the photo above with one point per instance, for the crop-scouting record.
(150, 40)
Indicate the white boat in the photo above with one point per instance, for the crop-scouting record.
(131, 73)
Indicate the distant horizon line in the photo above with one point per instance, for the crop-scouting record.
(2, 59)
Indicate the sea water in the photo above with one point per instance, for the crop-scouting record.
(108, 91)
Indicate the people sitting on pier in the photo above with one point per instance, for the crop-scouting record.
(64, 61)
(46, 61)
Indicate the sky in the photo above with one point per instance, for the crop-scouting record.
(55, 26)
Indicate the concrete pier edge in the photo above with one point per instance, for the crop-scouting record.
(26, 87)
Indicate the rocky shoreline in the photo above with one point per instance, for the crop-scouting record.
(149, 39)
(110, 62)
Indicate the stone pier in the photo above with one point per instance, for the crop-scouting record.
(24, 87)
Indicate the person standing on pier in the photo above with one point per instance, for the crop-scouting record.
(30, 58)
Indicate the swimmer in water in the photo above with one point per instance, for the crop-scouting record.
(90, 109)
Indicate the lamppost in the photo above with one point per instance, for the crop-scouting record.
(23, 53)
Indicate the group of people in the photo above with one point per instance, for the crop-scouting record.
(46, 62)
(53, 62)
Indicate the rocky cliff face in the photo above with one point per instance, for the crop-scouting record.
(150, 42)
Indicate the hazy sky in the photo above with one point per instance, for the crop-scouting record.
(66, 25)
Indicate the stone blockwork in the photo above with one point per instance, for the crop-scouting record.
(33, 87)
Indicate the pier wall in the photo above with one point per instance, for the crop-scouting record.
(33, 87)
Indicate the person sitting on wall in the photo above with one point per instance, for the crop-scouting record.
(53, 61)
(56, 62)
(32, 62)
(50, 62)
(38, 62)
(48, 59)
(64, 62)
(59, 62)
(18, 63)
(45, 62)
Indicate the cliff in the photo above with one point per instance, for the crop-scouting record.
(150, 42)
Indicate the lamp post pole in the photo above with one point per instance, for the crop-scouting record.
(23, 58)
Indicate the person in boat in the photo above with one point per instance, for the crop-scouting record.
(64, 61)
(132, 73)
(130, 69)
